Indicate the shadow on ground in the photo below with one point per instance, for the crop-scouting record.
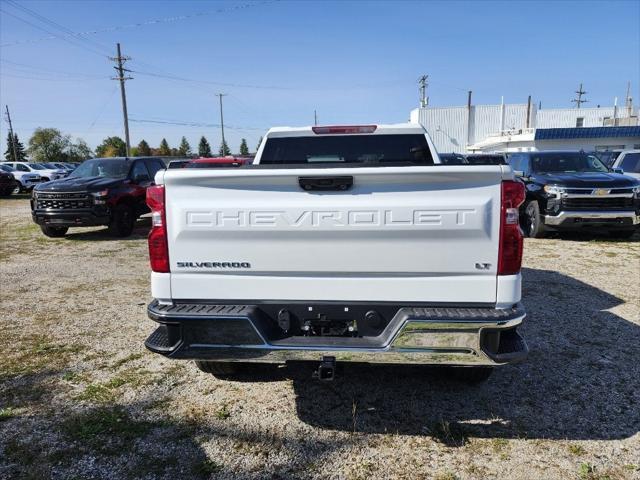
(141, 230)
(581, 380)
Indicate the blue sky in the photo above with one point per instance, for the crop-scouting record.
(354, 62)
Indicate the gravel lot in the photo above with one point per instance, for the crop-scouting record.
(80, 397)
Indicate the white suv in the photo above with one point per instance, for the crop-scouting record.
(629, 162)
(26, 180)
(45, 173)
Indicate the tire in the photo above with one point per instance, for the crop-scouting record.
(44, 179)
(622, 234)
(5, 192)
(123, 221)
(219, 369)
(54, 232)
(471, 375)
(532, 221)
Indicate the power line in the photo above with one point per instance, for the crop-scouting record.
(47, 70)
(54, 24)
(11, 135)
(74, 43)
(222, 145)
(578, 101)
(143, 23)
(120, 60)
(193, 124)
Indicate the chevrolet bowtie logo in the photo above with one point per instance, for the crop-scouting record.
(600, 191)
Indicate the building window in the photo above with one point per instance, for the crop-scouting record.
(580, 122)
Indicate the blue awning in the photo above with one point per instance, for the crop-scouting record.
(586, 132)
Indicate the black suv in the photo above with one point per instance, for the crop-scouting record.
(101, 191)
(575, 191)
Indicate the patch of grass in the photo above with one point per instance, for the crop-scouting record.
(588, 471)
(223, 412)
(103, 422)
(445, 476)
(105, 392)
(499, 444)
(7, 413)
(206, 468)
(24, 453)
(575, 449)
(96, 392)
(127, 359)
(451, 434)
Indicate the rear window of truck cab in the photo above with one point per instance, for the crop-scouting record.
(348, 149)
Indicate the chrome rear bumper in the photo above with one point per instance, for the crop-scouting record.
(626, 217)
(431, 336)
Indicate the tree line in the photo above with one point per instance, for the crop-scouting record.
(116, 147)
(47, 145)
(51, 145)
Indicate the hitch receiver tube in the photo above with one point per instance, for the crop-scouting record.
(326, 370)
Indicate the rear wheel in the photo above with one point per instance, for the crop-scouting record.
(622, 234)
(54, 232)
(471, 375)
(5, 192)
(123, 221)
(44, 179)
(532, 222)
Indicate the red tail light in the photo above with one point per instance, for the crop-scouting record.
(158, 246)
(344, 129)
(510, 252)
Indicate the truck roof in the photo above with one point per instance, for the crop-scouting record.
(367, 129)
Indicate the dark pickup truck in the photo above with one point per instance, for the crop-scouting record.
(101, 191)
(575, 191)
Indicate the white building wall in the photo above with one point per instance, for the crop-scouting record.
(447, 127)
(453, 128)
(566, 117)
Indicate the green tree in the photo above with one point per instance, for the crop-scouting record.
(204, 149)
(48, 145)
(224, 149)
(244, 149)
(20, 153)
(184, 150)
(164, 149)
(259, 143)
(111, 147)
(143, 149)
(78, 151)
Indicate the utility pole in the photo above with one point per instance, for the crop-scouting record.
(578, 101)
(220, 95)
(120, 60)
(628, 102)
(315, 117)
(424, 100)
(11, 135)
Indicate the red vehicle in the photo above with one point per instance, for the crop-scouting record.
(219, 162)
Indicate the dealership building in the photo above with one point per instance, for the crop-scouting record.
(524, 127)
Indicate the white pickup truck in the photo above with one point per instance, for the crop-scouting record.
(339, 243)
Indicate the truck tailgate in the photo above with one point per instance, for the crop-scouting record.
(401, 234)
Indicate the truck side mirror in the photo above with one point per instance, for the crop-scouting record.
(618, 170)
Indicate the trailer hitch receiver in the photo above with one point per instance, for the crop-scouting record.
(326, 370)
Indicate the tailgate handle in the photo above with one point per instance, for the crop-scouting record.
(341, 182)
